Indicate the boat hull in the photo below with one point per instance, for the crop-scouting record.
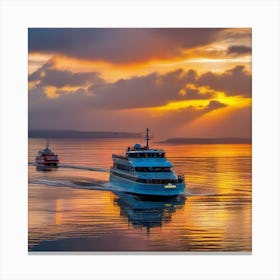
(126, 185)
(51, 164)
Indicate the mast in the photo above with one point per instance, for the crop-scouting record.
(47, 143)
(147, 138)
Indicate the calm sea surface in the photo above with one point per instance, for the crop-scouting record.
(69, 212)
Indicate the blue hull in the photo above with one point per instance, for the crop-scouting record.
(126, 185)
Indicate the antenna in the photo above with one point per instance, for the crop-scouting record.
(147, 138)
(48, 143)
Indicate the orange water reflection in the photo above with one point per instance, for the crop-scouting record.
(216, 218)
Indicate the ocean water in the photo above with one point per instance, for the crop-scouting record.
(70, 211)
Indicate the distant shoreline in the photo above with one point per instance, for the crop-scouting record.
(179, 141)
(69, 134)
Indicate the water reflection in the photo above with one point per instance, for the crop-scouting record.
(67, 213)
(148, 212)
(46, 168)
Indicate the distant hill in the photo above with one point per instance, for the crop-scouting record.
(80, 134)
(207, 141)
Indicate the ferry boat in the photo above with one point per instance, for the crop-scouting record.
(145, 171)
(47, 157)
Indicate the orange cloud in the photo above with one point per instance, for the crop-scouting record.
(163, 50)
(162, 77)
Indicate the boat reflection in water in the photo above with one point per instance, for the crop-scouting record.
(147, 211)
(45, 168)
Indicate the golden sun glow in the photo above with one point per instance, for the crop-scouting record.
(232, 101)
(51, 92)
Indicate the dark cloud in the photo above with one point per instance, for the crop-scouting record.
(48, 75)
(144, 91)
(60, 78)
(237, 50)
(38, 74)
(156, 90)
(119, 45)
(102, 104)
(214, 105)
(195, 93)
(74, 111)
(235, 81)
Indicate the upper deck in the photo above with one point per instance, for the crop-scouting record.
(144, 157)
(138, 151)
(46, 152)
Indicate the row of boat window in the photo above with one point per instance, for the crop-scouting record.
(153, 169)
(122, 167)
(146, 155)
(141, 169)
(148, 181)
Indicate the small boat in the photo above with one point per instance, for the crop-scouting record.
(47, 157)
(145, 171)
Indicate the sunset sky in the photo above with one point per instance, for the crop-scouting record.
(185, 82)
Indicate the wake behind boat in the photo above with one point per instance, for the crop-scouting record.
(146, 171)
